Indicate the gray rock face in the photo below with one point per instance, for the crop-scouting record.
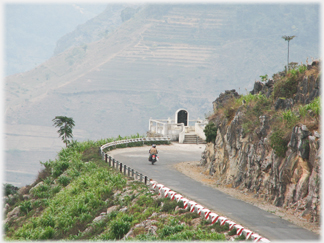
(284, 104)
(13, 214)
(286, 182)
(147, 225)
(246, 160)
(263, 88)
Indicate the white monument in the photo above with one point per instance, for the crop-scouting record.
(178, 128)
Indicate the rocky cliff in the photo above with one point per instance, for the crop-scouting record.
(269, 146)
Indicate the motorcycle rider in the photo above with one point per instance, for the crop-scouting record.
(152, 151)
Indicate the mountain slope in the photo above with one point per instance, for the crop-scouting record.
(28, 38)
(164, 58)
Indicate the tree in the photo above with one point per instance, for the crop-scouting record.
(65, 124)
(288, 38)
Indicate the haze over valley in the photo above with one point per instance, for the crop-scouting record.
(129, 63)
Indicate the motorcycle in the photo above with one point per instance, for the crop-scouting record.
(154, 158)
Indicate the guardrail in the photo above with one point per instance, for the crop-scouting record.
(205, 213)
(164, 191)
(124, 168)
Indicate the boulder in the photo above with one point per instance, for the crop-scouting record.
(224, 98)
(14, 214)
(124, 209)
(111, 209)
(257, 87)
(284, 104)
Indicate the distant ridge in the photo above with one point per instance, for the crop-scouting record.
(163, 58)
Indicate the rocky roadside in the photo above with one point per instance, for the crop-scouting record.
(197, 172)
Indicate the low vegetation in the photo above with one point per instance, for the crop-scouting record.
(72, 197)
(281, 121)
(210, 132)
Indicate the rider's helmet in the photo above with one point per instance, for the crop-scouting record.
(153, 145)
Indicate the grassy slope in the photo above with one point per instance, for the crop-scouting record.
(79, 186)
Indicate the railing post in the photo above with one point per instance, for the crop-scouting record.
(145, 180)
(113, 163)
(120, 167)
(109, 158)
(141, 177)
(124, 169)
(128, 171)
(133, 173)
(106, 157)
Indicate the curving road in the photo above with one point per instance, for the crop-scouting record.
(259, 221)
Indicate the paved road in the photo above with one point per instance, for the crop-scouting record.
(266, 224)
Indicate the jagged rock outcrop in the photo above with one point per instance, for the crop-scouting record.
(224, 97)
(247, 161)
(263, 88)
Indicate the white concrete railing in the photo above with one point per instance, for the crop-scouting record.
(199, 129)
(166, 128)
(124, 168)
(133, 140)
(167, 192)
(205, 213)
(176, 131)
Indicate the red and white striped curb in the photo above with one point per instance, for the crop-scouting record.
(192, 206)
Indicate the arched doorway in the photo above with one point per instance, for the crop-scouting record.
(182, 116)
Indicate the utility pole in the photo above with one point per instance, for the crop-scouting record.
(288, 38)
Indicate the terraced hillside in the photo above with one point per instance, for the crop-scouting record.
(164, 58)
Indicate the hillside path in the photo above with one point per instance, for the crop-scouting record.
(262, 222)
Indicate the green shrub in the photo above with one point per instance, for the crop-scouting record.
(146, 237)
(169, 206)
(64, 180)
(290, 118)
(262, 104)
(232, 231)
(47, 220)
(314, 106)
(285, 89)
(240, 238)
(204, 235)
(278, 143)
(25, 207)
(10, 189)
(172, 228)
(119, 228)
(249, 98)
(264, 78)
(185, 235)
(59, 168)
(144, 200)
(295, 71)
(188, 217)
(47, 233)
(55, 189)
(219, 228)
(210, 132)
(41, 191)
